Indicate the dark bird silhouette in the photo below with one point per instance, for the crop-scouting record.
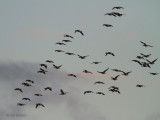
(145, 45)
(49, 61)
(146, 56)
(109, 53)
(117, 14)
(39, 104)
(152, 62)
(66, 41)
(60, 43)
(100, 93)
(86, 71)
(42, 71)
(126, 73)
(88, 92)
(57, 67)
(66, 35)
(48, 88)
(107, 25)
(137, 62)
(113, 87)
(140, 57)
(144, 64)
(115, 78)
(99, 82)
(19, 89)
(116, 70)
(26, 99)
(111, 14)
(82, 57)
(73, 75)
(153, 73)
(59, 51)
(80, 31)
(20, 104)
(115, 90)
(26, 84)
(96, 62)
(103, 72)
(117, 7)
(31, 81)
(38, 94)
(138, 85)
(43, 65)
(68, 53)
(62, 92)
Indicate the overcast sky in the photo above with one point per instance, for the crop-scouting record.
(29, 31)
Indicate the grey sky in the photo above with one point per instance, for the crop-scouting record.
(28, 33)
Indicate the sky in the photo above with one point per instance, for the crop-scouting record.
(29, 31)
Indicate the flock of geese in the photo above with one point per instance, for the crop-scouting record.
(43, 66)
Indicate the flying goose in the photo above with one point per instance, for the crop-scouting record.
(68, 53)
(57, 67)
(59, 51)
(146, 56)
(140, 57)
(66, 41)
(153, 73)
(88, 92)
(26, 99)
(107, 25)
(145, 45)
(38, 94)
(62, 92)
(26, 84)
(99, 82)
(115, 78)
(48, 88)
(43, 65)
(31, 81)
(20, 104)
(60, 43)
(96, 62)
(152, 62)
(49, 61)
(138, 85)
(100, 93)
(109, 53)
(66, 35)
(103, 72)
(19, 89)
(73, 75)
(116, 70)
(39, 104)
(80, 31)
(117, 7)
(82, 57)
(126, 73)
(86, 71)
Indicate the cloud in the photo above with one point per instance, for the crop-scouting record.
(12, 74)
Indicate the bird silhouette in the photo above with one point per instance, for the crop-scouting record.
(144, 64)
(38, 94)
(20, 104)
(146, 56)
(49, 61)
(96, 62)
(152, 62)
(26, 84)
(145, 45)
(99, 82)
(137, 62)
(101, 93)
(86, 71)
(111, 14)
(113, 87)
(68, 53)
(80, 31)
(31, 81)
(116, 70)
(115, 78)
(43, 65)
(66, 35)
(107, 25)
(82, 57)
(59, 51)
(88, 92)
(62, 92)
(73, 75)
(114, 90)
(39, 104)
(138, 85)
(19, 89)
(103, 72)
(109, 53)
(117, 7)
(26, 99)
(42, 71)
(66, 41)
(60, 43)
(48, 88)
(126, 73)
(140, 57)
(153, 73)
(57, 67)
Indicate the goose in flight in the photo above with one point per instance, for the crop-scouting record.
(26, 99)
(146, 56)
(48, 88)
(144, 64)
(107, 25)
(96, 62)
(73, 75)
(152, 62)
(59, 51)
(111, 14)
(26, 84)
(82, 57)
(137, 62)
(114, 90)
(19, 89)
(116, 70)
(126, 73)
(87, 92)
(138, 85)
(145, 45)
(43, 65)
(101, 93)
(109, 53)
(117, 7)
(99, 82)
(66, 35)
(38, 94)
(115, 78)
(57, 67)
(49, 61)
(86, 71)
(140, 57)
(68, 53)
(153, 73)
(62, 92)
(66, 41)
(31, 81)
(60, 43)
(42, 71)
(113, 87)
(80, 31)
(103, 72)
(39, 104)
(20, 104)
